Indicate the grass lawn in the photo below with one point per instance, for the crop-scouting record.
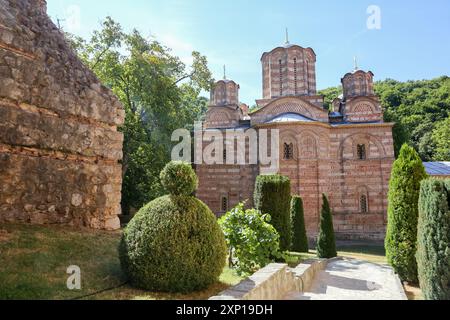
(370, 253)
(34, 261)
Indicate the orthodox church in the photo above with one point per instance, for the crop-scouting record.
(346, 153)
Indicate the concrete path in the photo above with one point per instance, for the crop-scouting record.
(350, 279)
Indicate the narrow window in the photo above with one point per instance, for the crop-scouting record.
(224, 204)
(307, 75)
(363, 204)
(295, 76)
(361, 150)
(288, 152)
(225, 156)
(281, 78)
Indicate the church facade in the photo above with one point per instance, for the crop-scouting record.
(346, 153)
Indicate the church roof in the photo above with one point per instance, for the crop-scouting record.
(290, 117)
(437, 168)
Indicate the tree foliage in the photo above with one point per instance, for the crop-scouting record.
(401, 238)
(326, 242)
(159, 92)
(299, 237)
(421, 110)
(433, 240)
(273, 196)
(252, 240)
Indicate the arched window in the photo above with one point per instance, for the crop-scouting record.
(295, 77)
(363, 204)
(307, 75)
(224, 204)
(361, 151)
(288, 152)
(281, 78)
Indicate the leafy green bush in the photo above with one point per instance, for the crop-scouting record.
(251, 239)
(178, 178)
(299, 237)
(273, 196)
(174, 243)
(401, 238)
(433, 241)
(326, 243)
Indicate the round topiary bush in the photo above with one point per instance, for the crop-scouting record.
(174, 243)
(179, 179)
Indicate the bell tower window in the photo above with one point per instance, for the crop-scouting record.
(295, 77)
(281, 77)
(361, 151)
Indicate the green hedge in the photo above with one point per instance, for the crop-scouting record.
(273, 196)
(401, 238)
(326, 243)
(299, 237)
(433, 240)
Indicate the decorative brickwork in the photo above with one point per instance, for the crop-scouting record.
(59, 144)
(346, 154)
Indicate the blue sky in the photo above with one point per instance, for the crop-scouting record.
(413, 42)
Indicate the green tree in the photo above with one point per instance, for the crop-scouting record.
(433, 240)
(441, 141)
(329, 95)
(160, 94)
(326, 243)
(252, 241)
(299, 237)
(401, 238)
(273, 196)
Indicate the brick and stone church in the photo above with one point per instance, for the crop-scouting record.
(346, 153)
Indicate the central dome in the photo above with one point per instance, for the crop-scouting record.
(289, 70)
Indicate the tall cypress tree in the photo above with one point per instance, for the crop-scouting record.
(326, 243)
(299, 238)
(433, 239)
(273, 196)
(404, 188)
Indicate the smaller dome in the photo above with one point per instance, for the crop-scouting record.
(290, 117)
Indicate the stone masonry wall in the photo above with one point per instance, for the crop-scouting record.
(59, 145)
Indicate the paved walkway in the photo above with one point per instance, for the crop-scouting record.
(350, 279)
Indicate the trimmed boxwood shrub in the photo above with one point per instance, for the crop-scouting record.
(174, 243)
(401, 238)
(433, 240)
(273, 197)
(299, 237)
(326, 243)
(178, 178)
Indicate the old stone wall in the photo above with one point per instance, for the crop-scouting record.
(275, 281)
(59, 145)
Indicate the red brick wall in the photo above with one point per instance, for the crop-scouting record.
(325, 161)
